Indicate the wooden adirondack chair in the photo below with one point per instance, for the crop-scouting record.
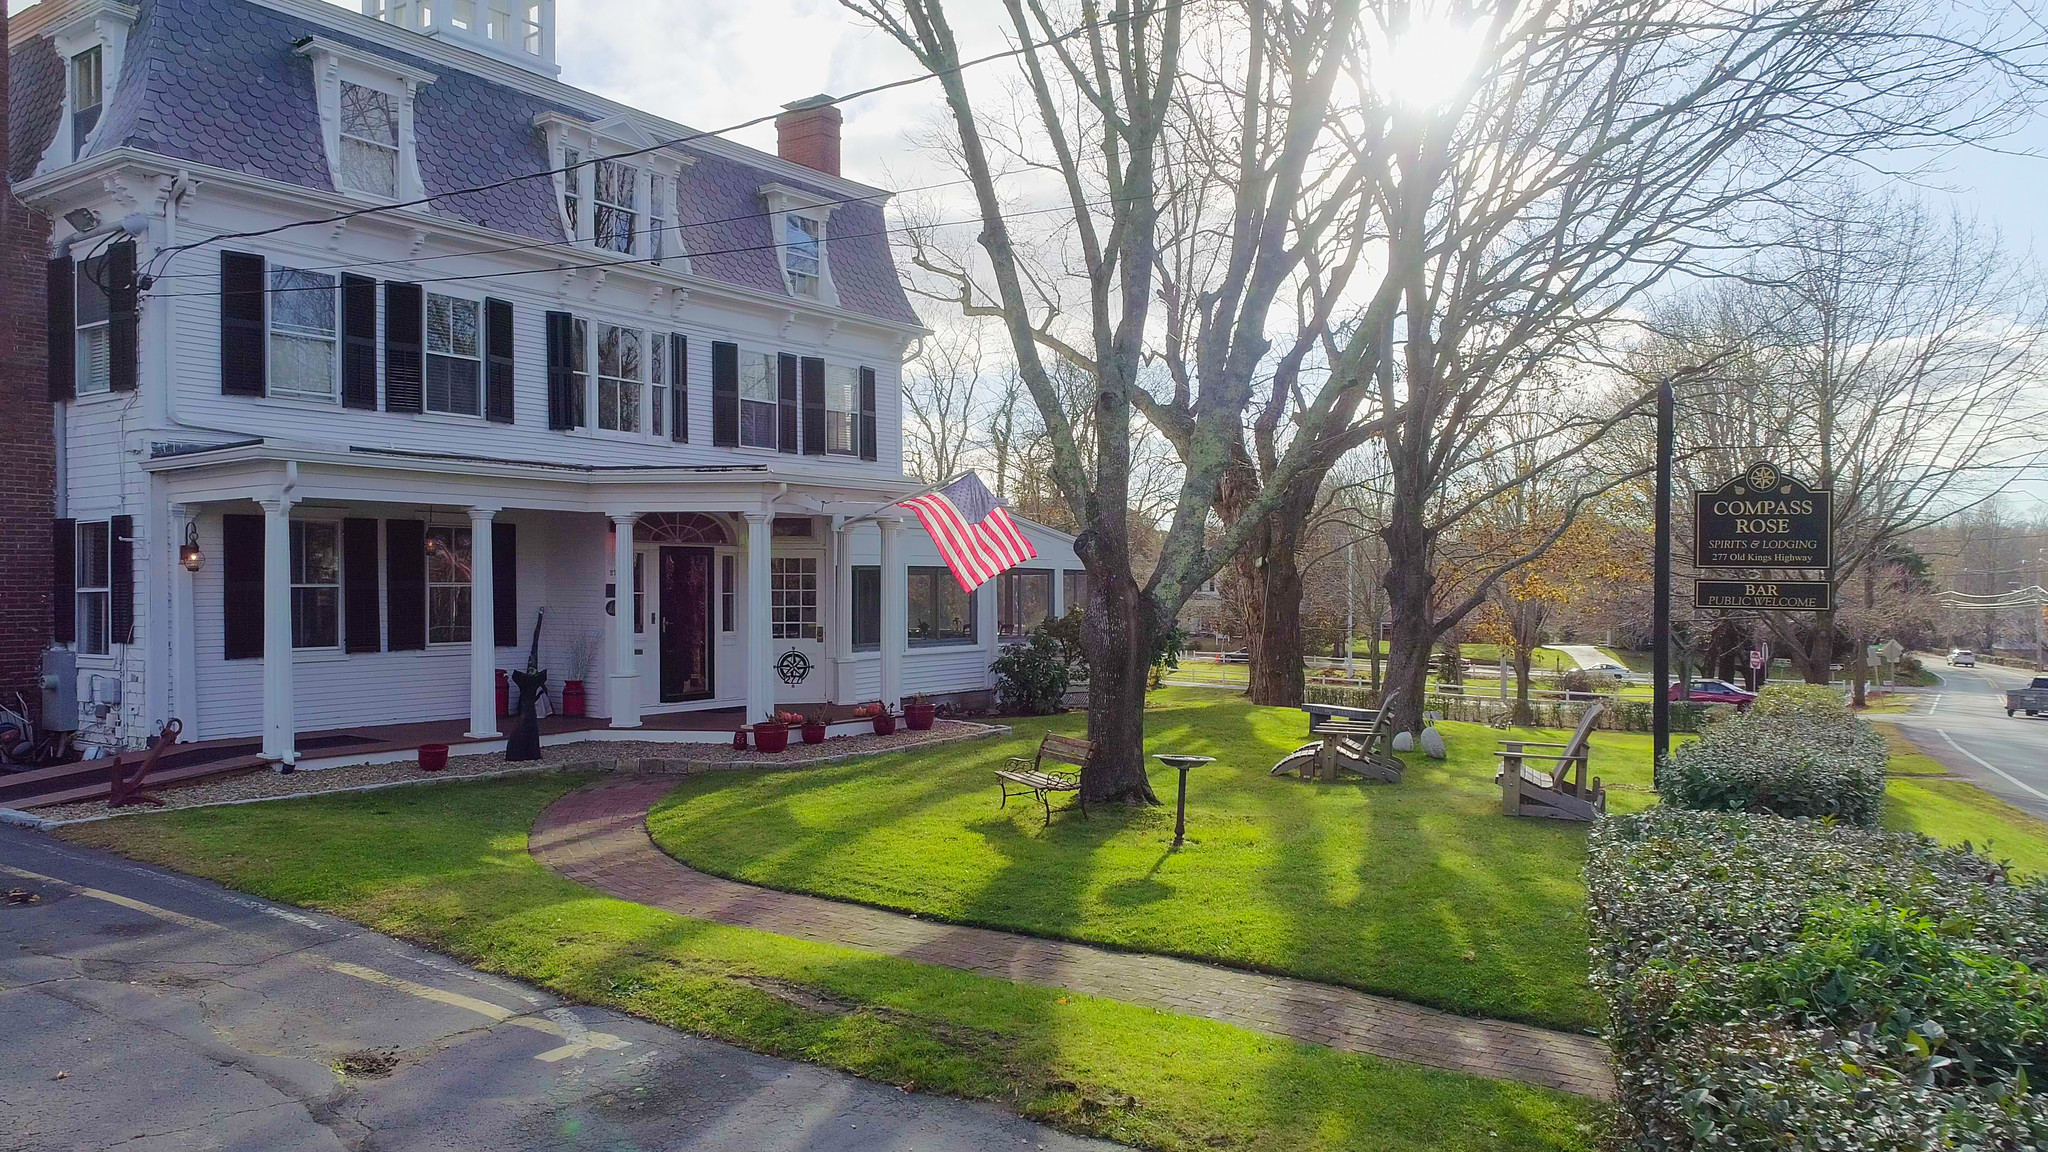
(1549, 784)
(1354, 740)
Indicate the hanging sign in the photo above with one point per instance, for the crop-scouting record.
(1763, 519)
(1791, 595)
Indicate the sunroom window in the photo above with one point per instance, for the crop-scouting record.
(302, 333)
(758, 397)
(618, 205)
(618, 378)
(369, 141)
(454, 355)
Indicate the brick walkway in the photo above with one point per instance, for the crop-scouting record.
(598, 836)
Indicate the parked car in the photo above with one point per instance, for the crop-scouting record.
(1962, 658)
(2033, 699)
(1715, 692)
(1605, 668)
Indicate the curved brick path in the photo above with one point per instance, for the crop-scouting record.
(598, 836)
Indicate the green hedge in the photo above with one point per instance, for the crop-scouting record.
(1798, 751)
(1796, 984)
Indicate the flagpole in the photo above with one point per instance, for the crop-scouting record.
(887, 504)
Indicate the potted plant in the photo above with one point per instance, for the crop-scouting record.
(772, 734)
(433, 757)
(918, 713)
(582, 651)
(885, 724)
(814, 728)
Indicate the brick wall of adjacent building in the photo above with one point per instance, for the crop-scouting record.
(27, 441)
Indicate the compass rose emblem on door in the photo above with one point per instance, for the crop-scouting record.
(794, 667)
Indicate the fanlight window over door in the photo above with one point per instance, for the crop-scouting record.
(680, 528)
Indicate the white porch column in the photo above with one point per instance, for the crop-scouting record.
(483, 640)
(895, 610)
(845, 685)
(625, 686)
(183, 646)
(279, 724)
(760, 639)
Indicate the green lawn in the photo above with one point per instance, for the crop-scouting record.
(1421, 890)
(447, 866)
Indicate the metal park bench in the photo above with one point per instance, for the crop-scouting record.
(1558, 788)
(1029, 776)
(1355, 740)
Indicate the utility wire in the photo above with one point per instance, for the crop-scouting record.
(172, 252)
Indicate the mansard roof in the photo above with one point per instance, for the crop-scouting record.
(217, 82)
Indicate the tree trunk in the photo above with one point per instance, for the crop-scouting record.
(1820, 650)
(1410, 585)
(1523, 715)
(1119, 632)
(1276, 645)
(1861, 674)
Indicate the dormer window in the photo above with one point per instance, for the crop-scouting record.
(366, 120)
(618, 206)
(369, 141)
(87, 84)
(572, 190)
(798, 224)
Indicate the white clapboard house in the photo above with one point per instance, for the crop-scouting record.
(318, 478)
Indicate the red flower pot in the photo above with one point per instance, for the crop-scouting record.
(771, 737)
(433, 757)
(572, 697)
(885, 724)
(814, 733)
(739, 740)
(918, 717)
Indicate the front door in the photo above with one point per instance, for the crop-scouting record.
(686, 591)
(796, 627)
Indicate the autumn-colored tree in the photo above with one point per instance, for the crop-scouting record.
(1592, 552)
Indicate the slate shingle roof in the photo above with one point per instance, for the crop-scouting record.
(217, 82)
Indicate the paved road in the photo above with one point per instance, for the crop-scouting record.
(1963, 725)
(144, 1009)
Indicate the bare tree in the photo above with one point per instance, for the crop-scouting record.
(943, 401)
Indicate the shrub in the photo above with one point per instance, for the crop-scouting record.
(1796, 752)
(1031, 678)
(1782, 983)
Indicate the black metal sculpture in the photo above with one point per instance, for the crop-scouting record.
(524, 743)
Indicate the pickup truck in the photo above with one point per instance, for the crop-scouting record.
(2033, 699)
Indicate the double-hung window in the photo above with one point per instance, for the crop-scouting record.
(759, 395)
(618, 205)
(803, 252)
(941, 612)
(87, 79)
(657, 383)
(369, 140)
(618, 378)
(447, 584)
(92, 569)
(842, 410)
(303, 352)
(1023, 601)
(454, 355)
(93, 361)
(867, 606)
(572, 190)
(657, 218)
(316, 584)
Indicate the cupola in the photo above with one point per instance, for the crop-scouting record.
(520, 32)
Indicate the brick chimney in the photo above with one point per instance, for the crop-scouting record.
(807, 133)
(27, 440)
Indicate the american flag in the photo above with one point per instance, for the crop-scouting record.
(973, 531)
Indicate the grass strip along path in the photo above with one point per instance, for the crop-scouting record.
(447, 866)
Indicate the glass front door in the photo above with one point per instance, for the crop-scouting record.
(797, 629)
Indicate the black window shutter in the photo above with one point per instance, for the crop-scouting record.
(404, 358)
(505, 584)
(679, 387)
(61, 334)
(787, 405)
(725, 394)
(561, 370)
(405, 584)
(498, 361)
(121, 579)
(243, 360)
(359, 345)
(64, 580)
(359, 607)
(814, 406)
(122, 354)
(867, 413)
(241, 587)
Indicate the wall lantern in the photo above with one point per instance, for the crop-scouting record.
(188, 553)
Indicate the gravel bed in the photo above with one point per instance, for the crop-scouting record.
(584, 755)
